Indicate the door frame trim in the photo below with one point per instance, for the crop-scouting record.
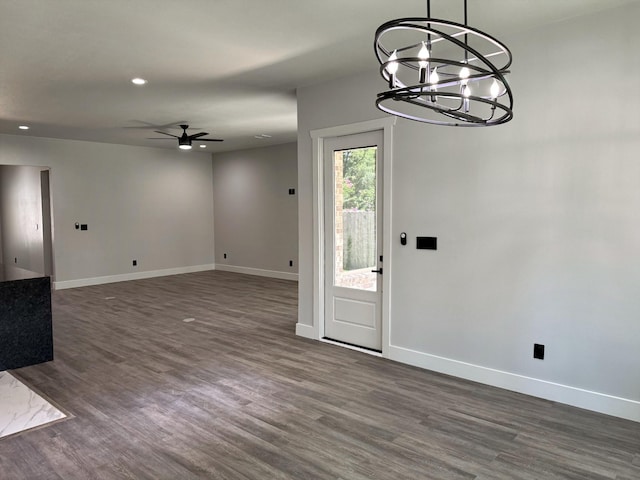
(318, 138)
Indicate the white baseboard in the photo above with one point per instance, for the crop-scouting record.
(577, 397)
(257, 271)
(85, 282)
(306, 331)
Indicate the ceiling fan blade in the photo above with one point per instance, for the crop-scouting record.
(209, 140)
(165, 133)
(196, 135)
(152, 126)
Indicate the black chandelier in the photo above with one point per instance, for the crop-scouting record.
(443, 72)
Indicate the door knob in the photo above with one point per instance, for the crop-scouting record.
(377, 271)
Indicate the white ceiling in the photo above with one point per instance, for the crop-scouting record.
(228, 67)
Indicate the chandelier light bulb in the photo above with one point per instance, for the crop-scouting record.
(466, 93)
(464, 74)
(434, 78)
(392, 67)
(423, 55)
(495, 89)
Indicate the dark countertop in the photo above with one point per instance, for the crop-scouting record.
(10, 273)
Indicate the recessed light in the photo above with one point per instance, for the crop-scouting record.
(23, 127)
(262, 136)
(203, 146)
(138, 81)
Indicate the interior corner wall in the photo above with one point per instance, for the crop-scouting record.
(256, 219)
(21, 217)
(538, 220)
(149, 204)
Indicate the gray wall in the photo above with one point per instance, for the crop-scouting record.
(21, 218)
(255, 217)
(537, 221)
(153, 205)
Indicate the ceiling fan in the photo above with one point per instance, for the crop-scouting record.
(184, 140)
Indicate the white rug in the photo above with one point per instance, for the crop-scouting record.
(21, 408)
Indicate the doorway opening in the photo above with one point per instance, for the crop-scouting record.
(353, 243)
(26, 239)
(348, 267)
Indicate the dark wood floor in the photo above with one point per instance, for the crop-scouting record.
(234, 394)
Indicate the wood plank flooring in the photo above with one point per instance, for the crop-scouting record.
(234, 394)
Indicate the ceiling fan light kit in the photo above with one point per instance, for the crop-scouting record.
(185, 140)
(443, 72)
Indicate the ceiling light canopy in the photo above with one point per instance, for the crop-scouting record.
(442, 72)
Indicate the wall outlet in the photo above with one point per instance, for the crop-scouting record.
(135, 263)
(538, 351)
(291, 263)
(225, 255)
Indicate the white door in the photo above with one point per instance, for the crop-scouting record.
(353, 239)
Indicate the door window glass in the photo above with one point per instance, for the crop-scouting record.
(355, 240)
